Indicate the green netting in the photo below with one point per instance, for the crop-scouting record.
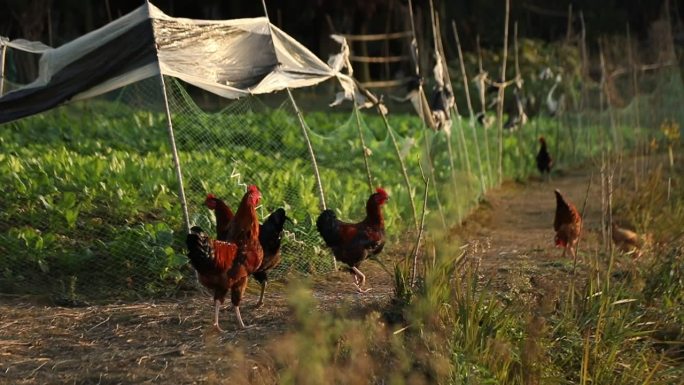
(92, 203)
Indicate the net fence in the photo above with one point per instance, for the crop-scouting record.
(92, 203)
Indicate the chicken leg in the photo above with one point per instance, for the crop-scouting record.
(239, 317)
(261, 296)
(357, 273)
(217, 307)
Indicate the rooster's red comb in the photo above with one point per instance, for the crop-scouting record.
(381, 191)
(211, 196)
(252, 188)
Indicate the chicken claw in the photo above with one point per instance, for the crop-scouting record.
(357, 273)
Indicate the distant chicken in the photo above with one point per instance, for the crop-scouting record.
(351, 243)
(544, 160)
(270, 234)
(626, 240)
(226, 265)
(567, 224)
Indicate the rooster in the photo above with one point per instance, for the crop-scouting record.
(270, 234)
(226, 265)
(567, 224)
(544, 161)
(351, 243)
(223, 215)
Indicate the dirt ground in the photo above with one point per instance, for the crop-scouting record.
(172, 340)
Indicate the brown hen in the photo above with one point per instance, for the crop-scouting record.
(567, 224)
(626, 241)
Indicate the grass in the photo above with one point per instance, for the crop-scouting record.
(619, 324)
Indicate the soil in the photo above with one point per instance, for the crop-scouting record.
(172, 341)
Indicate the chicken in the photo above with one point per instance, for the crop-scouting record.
(223, 215)
(544, 161)
(270, 234)
(567, 224)
(226, 265)
(626, 240)
(351, 243)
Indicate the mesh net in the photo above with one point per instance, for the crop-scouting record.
(92, 205)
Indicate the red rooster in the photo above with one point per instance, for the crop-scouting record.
(226, 265)
(567, 224)
(270, 234)
(351, 243)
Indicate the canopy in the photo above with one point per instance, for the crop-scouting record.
(231, 58)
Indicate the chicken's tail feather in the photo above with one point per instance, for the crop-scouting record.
(207, 255)
(328, 227)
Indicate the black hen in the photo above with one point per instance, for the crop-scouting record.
(544, 161)
(270, 235)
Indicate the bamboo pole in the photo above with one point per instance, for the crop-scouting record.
(312, 155)
(568, 28)
(483, 102)
(176, 158)
(604, 238)
(585, 79)
(635, 92)
(439, 49)
(302, 124)
(471, 114)
(381, 110)
(363, 144)
(518, 79)
(604, 89)
(414, 253)
(407, 181)
(502, 91)
(426, 133)
(174, 152)
(174, 149)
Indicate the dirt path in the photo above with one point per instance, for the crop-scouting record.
(512, 234)
(172, 340)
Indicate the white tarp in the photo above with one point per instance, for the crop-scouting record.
(231, 58)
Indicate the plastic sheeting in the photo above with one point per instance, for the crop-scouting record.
(230, 58)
